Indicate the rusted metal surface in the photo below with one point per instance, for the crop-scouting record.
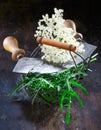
(21, 115)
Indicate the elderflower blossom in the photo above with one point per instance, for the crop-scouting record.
(54, 28)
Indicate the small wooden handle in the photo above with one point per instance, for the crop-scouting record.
(70, 24)
(56, 44)
(10, 44)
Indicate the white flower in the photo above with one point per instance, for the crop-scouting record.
(54, 28)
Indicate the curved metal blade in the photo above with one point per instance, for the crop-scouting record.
(26, 64)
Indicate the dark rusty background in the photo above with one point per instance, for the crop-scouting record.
(19, 18)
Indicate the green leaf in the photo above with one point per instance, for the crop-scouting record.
(17, 88)
(68, 116)
(77, 84)
(74, 94)
(34, 97)
(64, 93)
(94, 59)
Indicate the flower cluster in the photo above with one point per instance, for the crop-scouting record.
(54, 28)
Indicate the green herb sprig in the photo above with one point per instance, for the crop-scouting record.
(55, 88)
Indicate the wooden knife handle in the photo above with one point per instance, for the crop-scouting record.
(56, 43)
(71, 24)
(10, 44)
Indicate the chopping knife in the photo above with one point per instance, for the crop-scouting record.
(27, 64)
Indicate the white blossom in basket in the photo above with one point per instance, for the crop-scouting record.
(54, 28)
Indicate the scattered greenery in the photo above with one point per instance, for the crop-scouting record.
(58, 87)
